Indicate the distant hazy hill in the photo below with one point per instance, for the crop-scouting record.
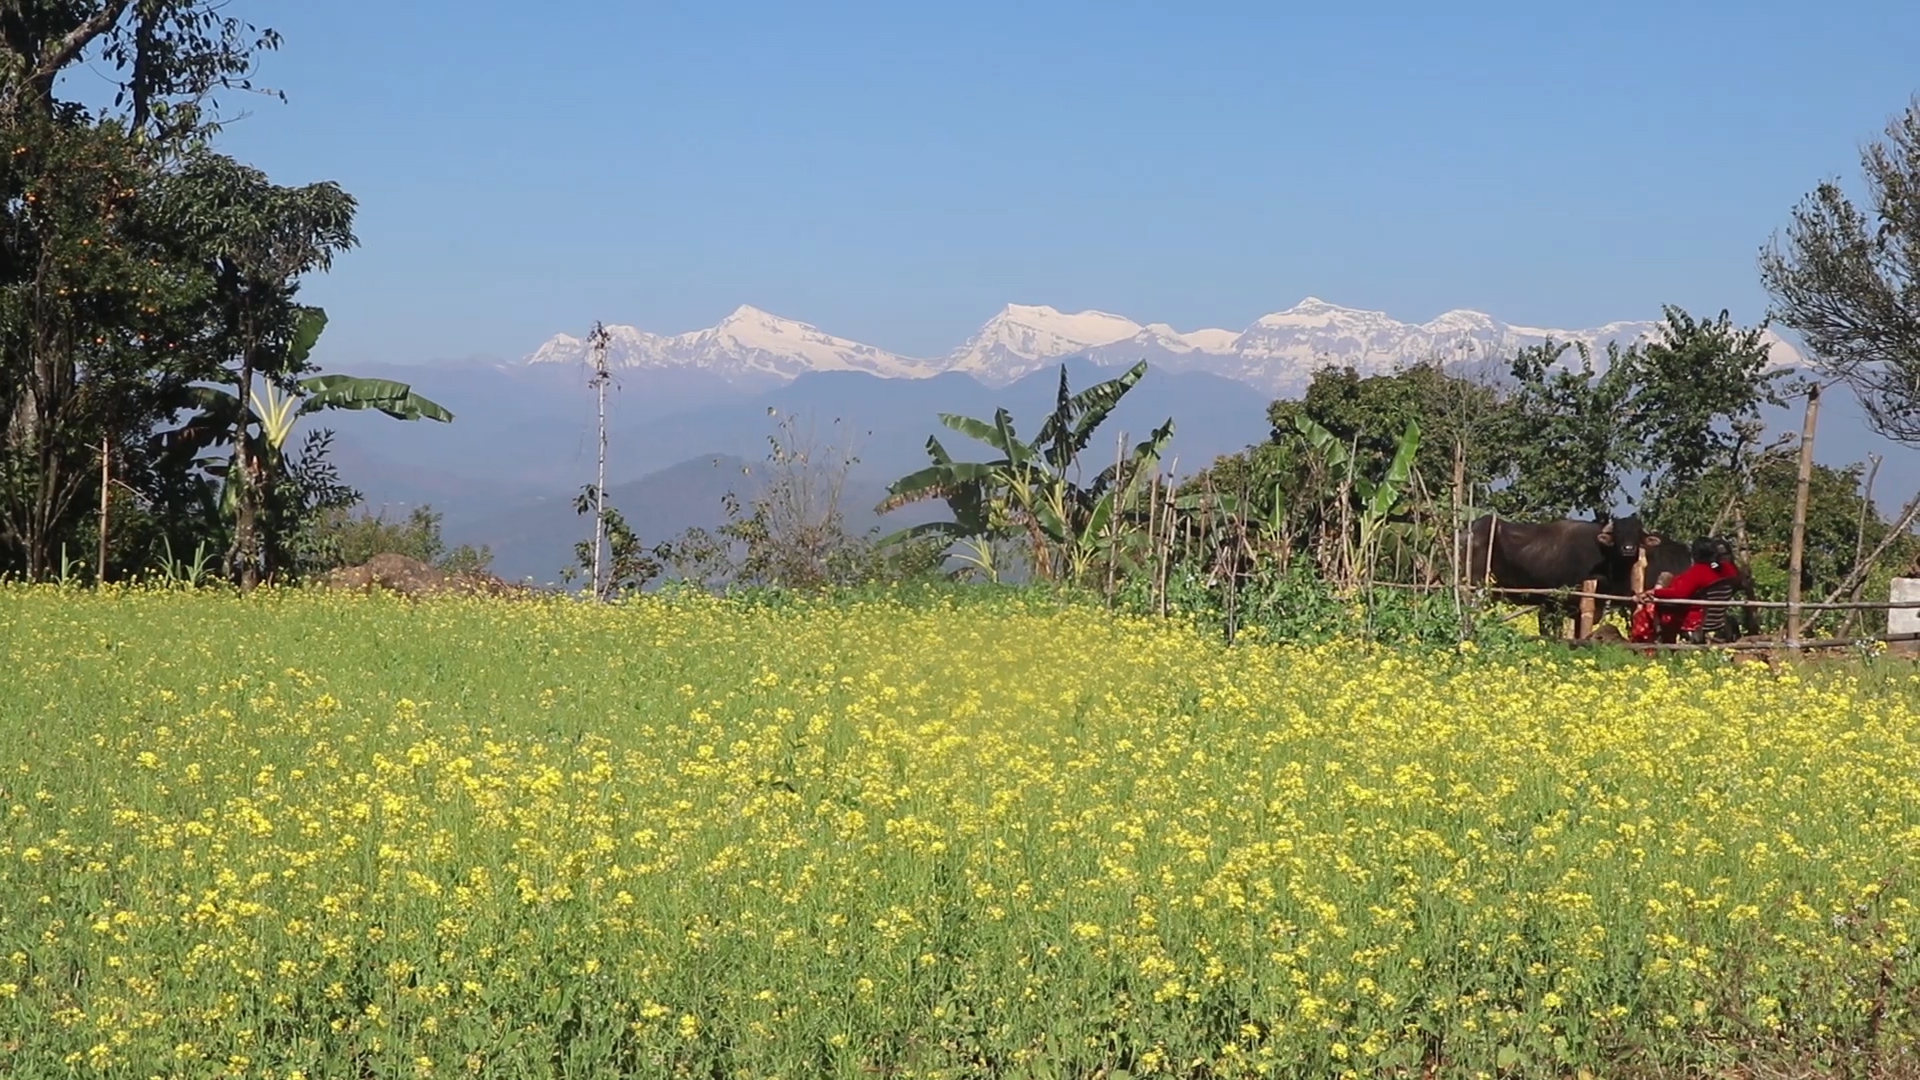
(535, 538)
(523, 441)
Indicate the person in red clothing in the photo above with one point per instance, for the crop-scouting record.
(1644, 628)
(1709, 565)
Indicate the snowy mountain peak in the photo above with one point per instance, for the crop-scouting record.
(1461, 321)
(1313, 305)
(1023, 338)
(747, 313)
(1278, 353)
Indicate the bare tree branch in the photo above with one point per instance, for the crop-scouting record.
(76, 40)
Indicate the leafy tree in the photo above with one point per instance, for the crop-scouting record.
(1569, 432)
(1699, 388)
(1033, 487)
(134, 261)
(256, 239)
(1848, 280)
(1368, 414)
(1298, 494)
(629, 565)
(352, 539)
(1666, 408)
(165, 58)
(93, 342)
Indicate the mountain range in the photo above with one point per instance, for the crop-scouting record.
(1278, 353)
(690, 415)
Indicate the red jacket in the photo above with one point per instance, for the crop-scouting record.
(1694, 579)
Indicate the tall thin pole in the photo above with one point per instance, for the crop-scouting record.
(1796, 554)
(1852, 620)
(1121, 482)
(1457, 554)
(106, 489)
(598, 340)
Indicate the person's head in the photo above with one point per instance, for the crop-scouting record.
(1706, 551)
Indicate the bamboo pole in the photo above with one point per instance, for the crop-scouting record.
(1860, 534)
(1120, 484)
(1583, 622)
(1458, 564)
(1153, 537)
(1796, 554)
(106, 492)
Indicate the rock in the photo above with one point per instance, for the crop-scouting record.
(1608, 633)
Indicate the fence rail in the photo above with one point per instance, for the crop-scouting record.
(1578, 594)
(1775, 605)
(1766, 645)
(1746, 645)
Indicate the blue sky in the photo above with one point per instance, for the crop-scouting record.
(894, 173)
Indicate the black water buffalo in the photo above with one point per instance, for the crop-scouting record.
(1556, 555)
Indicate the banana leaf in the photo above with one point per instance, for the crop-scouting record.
(396, 399)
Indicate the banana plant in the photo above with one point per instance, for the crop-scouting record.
(1031, 488)
(269, 418)
(1118, 490)
(1332, 458)
(1381, 498)
(273, 414)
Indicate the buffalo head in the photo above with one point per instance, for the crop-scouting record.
(1623, 537)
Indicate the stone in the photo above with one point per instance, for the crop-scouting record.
(1903, 620)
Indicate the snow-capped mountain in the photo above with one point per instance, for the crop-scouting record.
(1277, 354)
(1021, 338)
(747, 342)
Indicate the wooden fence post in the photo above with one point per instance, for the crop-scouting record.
(1796, 554)
(1583, 624)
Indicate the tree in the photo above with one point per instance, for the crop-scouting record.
(1570, 432)
(615, 559)
(95, 327)
(96, 304)
(350, 540)
(1848, 281)
(1369, 414)
(1699, 388)
(163, 57)
(256, 239)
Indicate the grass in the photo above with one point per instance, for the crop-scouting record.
(328, 836)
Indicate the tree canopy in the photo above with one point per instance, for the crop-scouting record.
(1847, 280)
(141, 269)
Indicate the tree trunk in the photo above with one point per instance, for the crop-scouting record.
(36, 432)
(245, 554)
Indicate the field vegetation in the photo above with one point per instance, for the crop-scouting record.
(1239, 780)
(927, 833)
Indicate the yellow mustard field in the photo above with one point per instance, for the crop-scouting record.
(326, 836)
